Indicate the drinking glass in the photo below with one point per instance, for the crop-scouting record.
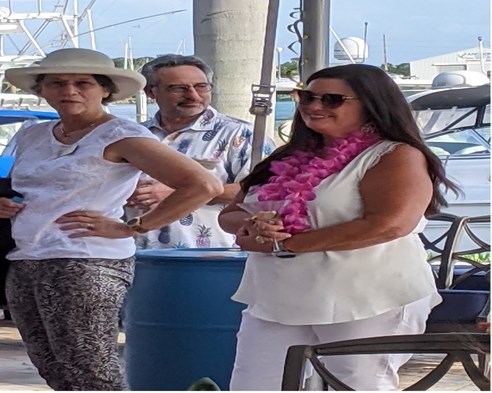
(266, 206)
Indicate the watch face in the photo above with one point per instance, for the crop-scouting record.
(284, 254)
(133, 221)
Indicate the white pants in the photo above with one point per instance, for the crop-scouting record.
(262, 347)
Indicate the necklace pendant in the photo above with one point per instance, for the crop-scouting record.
(65, 134)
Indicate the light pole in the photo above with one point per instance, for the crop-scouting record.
(480, 50)
(279, 64)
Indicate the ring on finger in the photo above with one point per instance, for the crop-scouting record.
(90, 227)
(259, 239)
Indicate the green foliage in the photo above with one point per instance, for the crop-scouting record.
(119, 62)
(400, 69)
(290, 69)
(138, 63)
(483, 257)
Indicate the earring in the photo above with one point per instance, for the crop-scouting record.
(368, 128)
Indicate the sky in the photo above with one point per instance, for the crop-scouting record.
(413, 29)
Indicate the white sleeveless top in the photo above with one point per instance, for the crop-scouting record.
(56, 179)
(338, 286)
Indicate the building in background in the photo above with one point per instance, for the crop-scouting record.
(473, 59)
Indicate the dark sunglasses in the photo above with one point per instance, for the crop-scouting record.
(329, 100)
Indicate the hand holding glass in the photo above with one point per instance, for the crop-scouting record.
(268, 206)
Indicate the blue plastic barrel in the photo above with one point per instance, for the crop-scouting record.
(180, 322)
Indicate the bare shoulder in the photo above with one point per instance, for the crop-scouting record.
(403, 153)
(400, 171)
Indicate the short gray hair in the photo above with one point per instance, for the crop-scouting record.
(171, 60)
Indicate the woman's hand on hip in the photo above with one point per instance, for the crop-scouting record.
(8, 208)
(84, 223)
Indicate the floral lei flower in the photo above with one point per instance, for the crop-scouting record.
(296, 176)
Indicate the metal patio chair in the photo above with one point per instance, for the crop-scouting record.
(464, 283)
(456, 348)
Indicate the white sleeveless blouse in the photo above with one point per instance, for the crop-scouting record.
(338, 286)
(56, 179)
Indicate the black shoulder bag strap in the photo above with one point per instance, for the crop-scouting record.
(6, 241)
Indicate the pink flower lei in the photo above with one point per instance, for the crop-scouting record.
(296, 176)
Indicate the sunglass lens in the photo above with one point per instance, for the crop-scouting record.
(305, 97)
(332, 100)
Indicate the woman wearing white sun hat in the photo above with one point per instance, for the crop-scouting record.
(73, 260)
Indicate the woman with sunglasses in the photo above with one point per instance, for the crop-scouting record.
(341, 258)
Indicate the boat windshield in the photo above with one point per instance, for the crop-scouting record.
(434, 120)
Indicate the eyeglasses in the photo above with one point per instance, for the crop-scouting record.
(329, 100)
(78, 84)
(200, 88)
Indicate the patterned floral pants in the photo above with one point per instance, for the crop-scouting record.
(66, 311)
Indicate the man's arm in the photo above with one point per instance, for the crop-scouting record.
(230, 191)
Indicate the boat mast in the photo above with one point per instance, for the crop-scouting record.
(73, 30)
(75, 24)
(12, 22)
(88, 13)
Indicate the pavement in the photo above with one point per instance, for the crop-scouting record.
(16, 370)
(18, 374)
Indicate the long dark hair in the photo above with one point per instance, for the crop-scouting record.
(385, 107)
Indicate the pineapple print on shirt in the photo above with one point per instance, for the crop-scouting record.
(184, 145)
(213, 137)
(187, 221)
(209, 135)
(204, 234)
(221, 148)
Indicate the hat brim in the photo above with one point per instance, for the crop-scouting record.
(128, 82)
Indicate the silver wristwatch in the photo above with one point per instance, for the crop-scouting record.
(280, 251)
(135, 224)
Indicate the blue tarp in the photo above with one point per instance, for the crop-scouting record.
(16, 115)
(6, 163)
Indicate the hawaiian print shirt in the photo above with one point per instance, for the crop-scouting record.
(225, 144)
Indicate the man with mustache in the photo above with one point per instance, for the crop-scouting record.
(182, 88)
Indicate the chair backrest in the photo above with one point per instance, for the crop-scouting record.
(440, 241)
(470, 264)
(457, 348)
(461, 264)
(459, 256)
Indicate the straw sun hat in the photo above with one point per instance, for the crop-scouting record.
(78, 61)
